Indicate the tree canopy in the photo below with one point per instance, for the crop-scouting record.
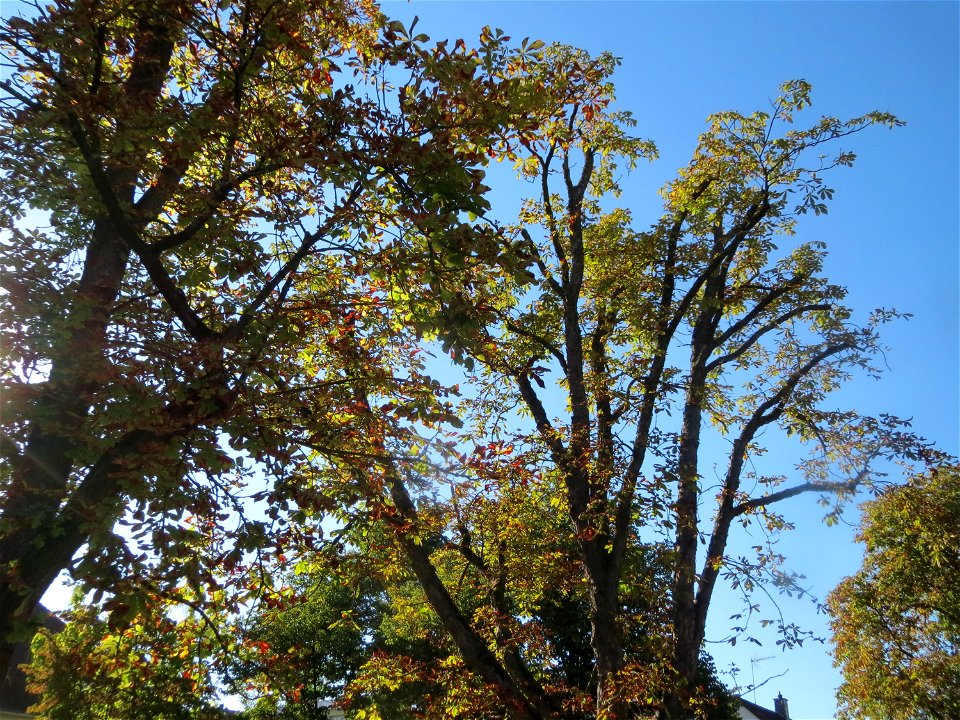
(896, 623)
(187, 188)
(154, 668)
(250, 245)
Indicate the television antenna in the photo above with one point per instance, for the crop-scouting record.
(754, 661)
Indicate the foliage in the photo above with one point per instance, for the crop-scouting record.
(334, 636)
(153, 668)
(190, 194)
(308, 645)
(510, 566)
(715, 316)
(896, 623)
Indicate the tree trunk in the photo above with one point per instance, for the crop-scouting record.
(33, 548)
(523, 701)
(43, 526)
(606, 640)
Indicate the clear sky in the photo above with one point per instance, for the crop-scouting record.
(892, 229)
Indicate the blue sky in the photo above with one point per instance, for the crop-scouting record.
(892, 230)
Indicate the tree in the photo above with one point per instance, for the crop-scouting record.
(312, 644)
(512, 572)
(896, 623)
(152, 668)
(349, 630)
(184, 185)
(609, 313)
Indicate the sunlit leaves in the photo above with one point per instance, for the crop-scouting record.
(290, 202)
(627, 341)
(244, 204)
(152, 667)
(896, 622)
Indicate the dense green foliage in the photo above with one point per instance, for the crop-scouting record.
(341, 639)
(896, 624)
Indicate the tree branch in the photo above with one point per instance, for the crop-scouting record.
(775, 497)
(760, 332)
(775, 293)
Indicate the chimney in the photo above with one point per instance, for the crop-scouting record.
(780, 706)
